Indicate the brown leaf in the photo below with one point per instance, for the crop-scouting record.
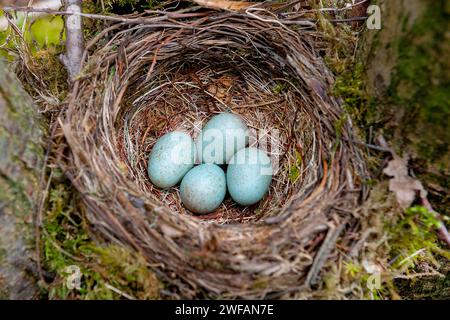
(397, 167)
(405, 189)
(404, 186)
(224, 4)
(221, 87)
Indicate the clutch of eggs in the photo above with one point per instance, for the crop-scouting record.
(223, 140)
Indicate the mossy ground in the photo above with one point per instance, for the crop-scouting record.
(108, 271)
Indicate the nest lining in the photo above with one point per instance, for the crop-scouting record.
(149, 79)
(185, 100)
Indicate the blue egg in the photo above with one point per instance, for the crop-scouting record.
(172, 156)
(222, 136)
(203, 188)
(249, 175)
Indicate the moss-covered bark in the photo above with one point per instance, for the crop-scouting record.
(408, 74)
(408, 71)
(20, 161)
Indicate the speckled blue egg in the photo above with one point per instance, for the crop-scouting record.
(221, 137)
(172, 156)
(203, 188)
(249, 175)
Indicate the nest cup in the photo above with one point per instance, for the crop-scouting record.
(145, 79)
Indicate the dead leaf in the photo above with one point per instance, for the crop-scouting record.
(404, 186)
(221, 87)
(224, 4)
(405, 189)
(397, 167)
(217, 91)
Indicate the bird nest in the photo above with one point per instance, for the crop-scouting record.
(154, 75)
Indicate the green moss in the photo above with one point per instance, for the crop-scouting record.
(260, 283)
(352, 268)
(358, 105)
(411, 247)
(66, 243)
(52, 73)
(415, 232)
(279, 87)
(415, 247)
(294, 170)
(45, 42)
(425, 288)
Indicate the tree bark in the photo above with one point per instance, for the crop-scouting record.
(21, 156)
(407, 71)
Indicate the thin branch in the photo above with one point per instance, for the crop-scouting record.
(443, 233)
(87, 15)
(119, 292)
(322, 255)
(74, 39)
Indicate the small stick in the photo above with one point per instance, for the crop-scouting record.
(74, 39)
(322, 254)
(443, 233)
(123, 294)
(114, 18)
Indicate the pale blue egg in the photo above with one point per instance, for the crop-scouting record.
(249, 175)
(203, 188)
(172, 156)
(222, 136)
